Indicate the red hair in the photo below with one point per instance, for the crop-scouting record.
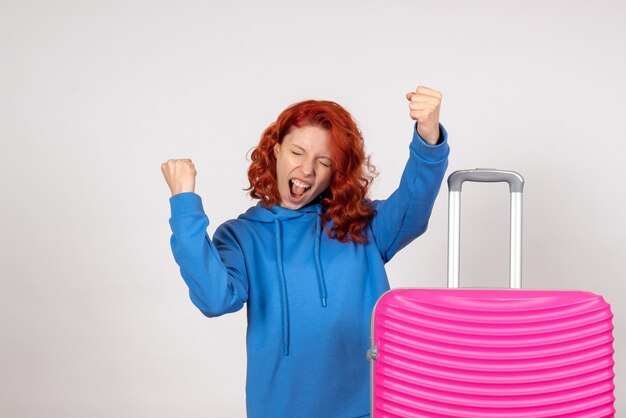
(345, 201)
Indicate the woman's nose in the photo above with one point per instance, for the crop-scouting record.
(308, 167)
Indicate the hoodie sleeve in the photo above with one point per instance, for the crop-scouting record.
(404, 215)
(213, 272)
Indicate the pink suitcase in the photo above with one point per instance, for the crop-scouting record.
(491, 353)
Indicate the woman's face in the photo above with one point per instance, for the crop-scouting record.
(303, 165)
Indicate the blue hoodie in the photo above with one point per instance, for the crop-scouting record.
(309, 297)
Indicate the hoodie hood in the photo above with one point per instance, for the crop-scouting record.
(260, 214)
(277, 215)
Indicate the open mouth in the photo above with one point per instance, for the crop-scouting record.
(298, 188)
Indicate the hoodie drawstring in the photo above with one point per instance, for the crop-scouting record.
(284, 302)
(321, 283)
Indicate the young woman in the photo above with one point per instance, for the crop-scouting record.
(309, 258)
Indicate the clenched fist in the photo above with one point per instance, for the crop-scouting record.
(424, 108)
(180, 175)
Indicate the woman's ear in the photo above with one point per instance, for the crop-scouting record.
(276, 149)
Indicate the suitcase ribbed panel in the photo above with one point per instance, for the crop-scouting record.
(492, 353)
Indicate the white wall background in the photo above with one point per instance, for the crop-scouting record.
(94, 96)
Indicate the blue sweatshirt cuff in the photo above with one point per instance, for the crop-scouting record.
(186, 203)
(431, 153)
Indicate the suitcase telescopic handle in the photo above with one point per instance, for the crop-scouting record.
(455, 184)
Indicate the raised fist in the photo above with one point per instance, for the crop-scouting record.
(180, 175)
(424, 108)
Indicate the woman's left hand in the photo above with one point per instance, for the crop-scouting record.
(424, 105)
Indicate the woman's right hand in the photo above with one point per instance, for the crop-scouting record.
(180, 175)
